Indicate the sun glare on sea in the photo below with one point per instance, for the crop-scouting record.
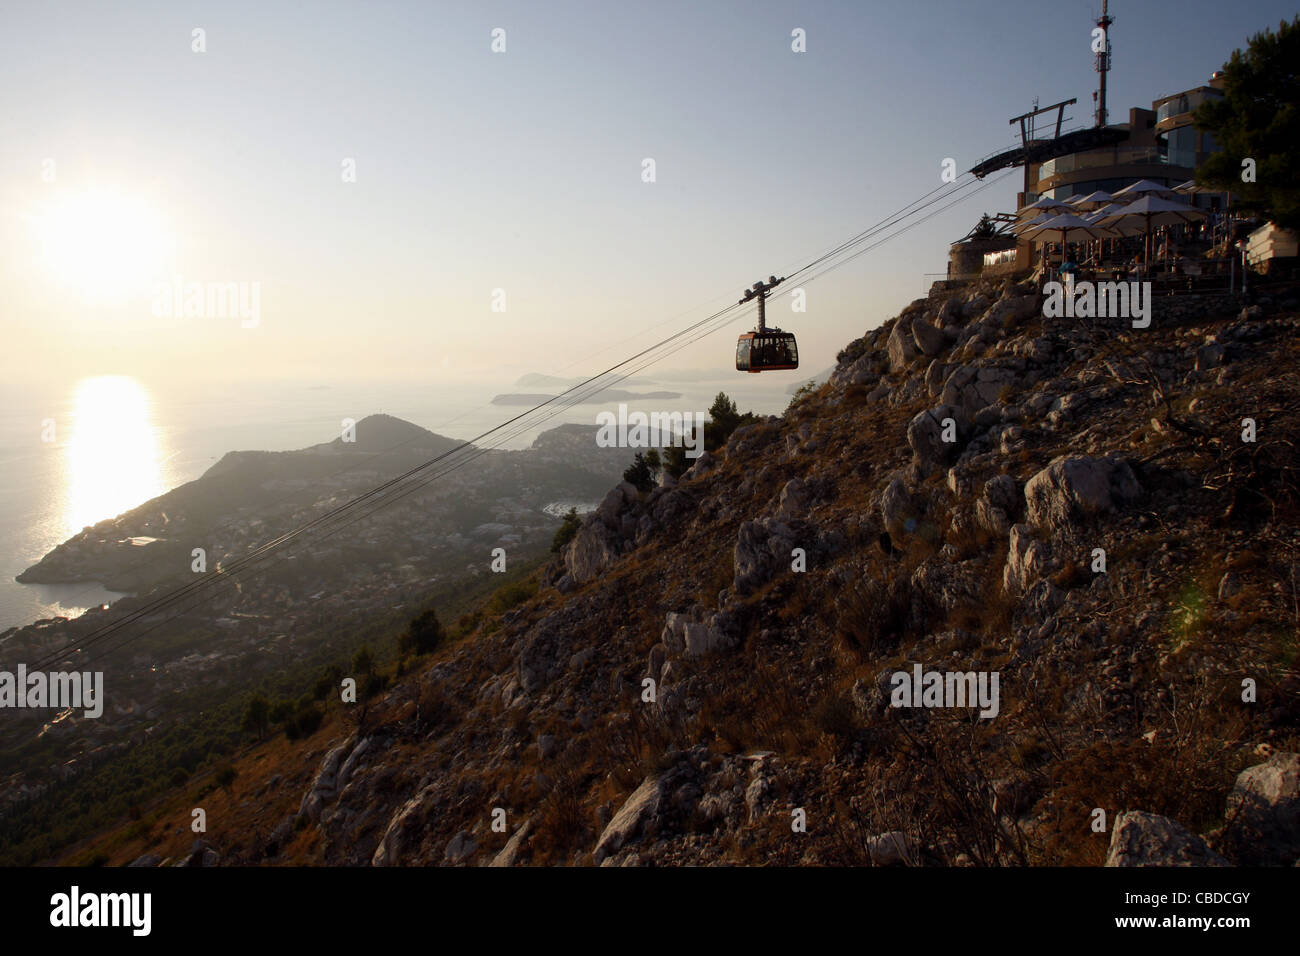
(113, 461)
(101, 244)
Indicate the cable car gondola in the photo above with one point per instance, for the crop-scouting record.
(764, 349)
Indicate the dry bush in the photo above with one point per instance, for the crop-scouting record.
(768, 710)
(563, 824)
(870, 616)
(1184, 772)
(938, 790)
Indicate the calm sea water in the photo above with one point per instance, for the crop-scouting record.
(72, 456)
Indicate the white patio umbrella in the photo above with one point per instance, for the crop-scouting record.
(1094, 200)
(1044, 204)
(1142, 187)
(1118, 225)
(1192, 187)
(1149, 212)
(1107, 210)
(1060, 228)
(1025, 224)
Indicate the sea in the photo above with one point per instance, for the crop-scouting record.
(76, 453)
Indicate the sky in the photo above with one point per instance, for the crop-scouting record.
(128, 161)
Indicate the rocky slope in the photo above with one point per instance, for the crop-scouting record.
(705, 676)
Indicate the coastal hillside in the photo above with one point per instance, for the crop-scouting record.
(1102, 518)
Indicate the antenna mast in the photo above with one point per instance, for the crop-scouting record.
(1103, 61)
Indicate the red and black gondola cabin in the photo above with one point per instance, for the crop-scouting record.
(766, 351)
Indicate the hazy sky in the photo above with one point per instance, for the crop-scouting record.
(519, 171)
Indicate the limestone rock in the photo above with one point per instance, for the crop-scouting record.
(510, 853)
(896, 508)
(794, 500)
(901, 347)
(973, 387)
(637, 811)
(928, 340)
(461, 847)
(925, 436)
(593, 549)
(1075, 486)
(1147, 839)
(891, 849)
(1265, 802)
(762, 547)
(1027, 560)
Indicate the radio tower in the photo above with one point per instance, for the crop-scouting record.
(1103, 62)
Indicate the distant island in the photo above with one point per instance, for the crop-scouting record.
(538, 380)
(614, 394)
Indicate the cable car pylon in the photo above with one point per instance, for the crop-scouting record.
(764, 349)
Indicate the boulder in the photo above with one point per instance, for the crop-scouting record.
(325, 784)
(793, 502)
(674, 632)
(762, 547)
(950, 313)
(401, 827)
(545, 652)
(901, 347)
(616, 499)
(656, 660)
(891, 849)
(705, 639)
(997, 506)
(1264, 806)
(1147, 839)
(509, 854)
(928, 340)
(974, 386)
(633, 818)
(935, 375)
(925, 436)
(1027, 560)
(593, 549)
(461, 847)
(1073, 487)
(896, 508)
(974, 306)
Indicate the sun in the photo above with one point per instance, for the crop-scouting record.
(102, 244)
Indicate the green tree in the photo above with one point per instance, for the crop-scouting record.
(675, 461)
(639, 473)
(257, 716)
(802, 392)
(723, 413)
(363, 661)
(423, 635)
(281, 711)
(723, 420)
(569, 526)
(1258, 118)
